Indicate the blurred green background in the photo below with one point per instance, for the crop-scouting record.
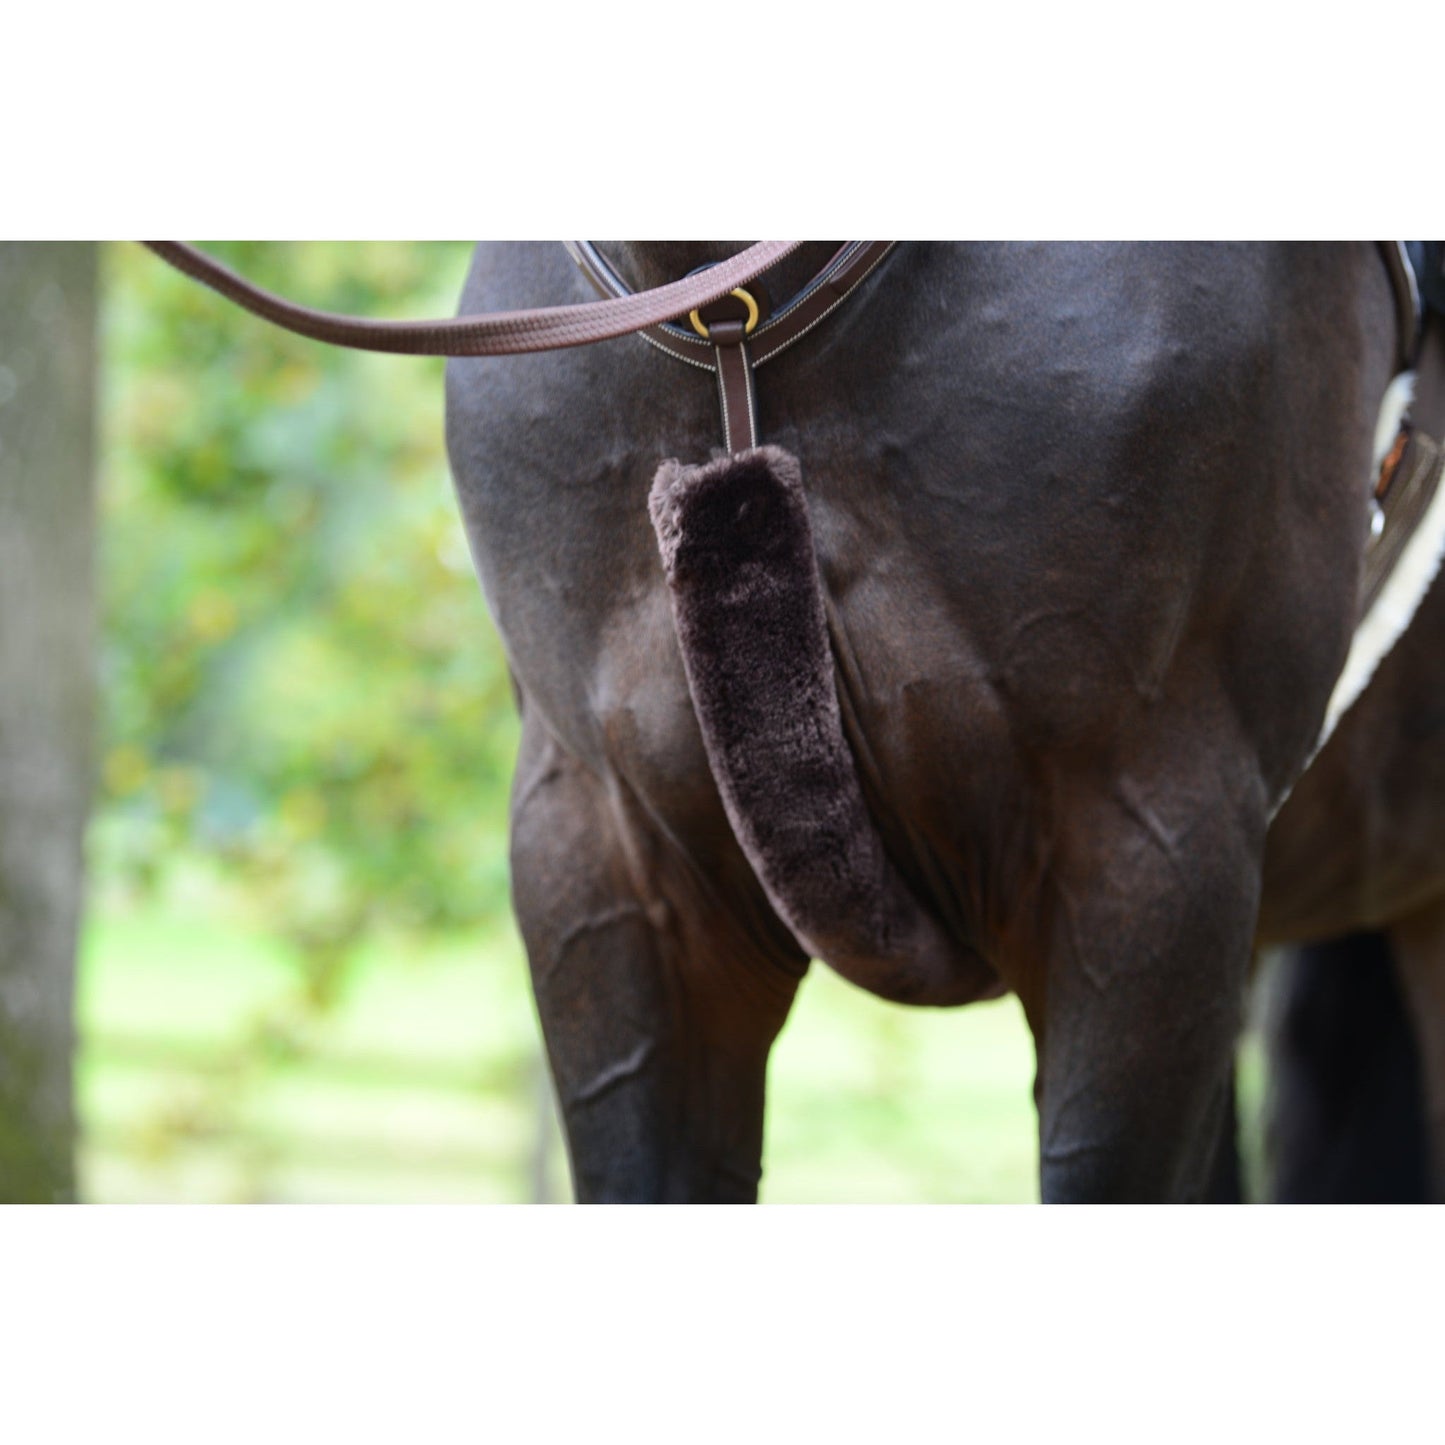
(300, 979)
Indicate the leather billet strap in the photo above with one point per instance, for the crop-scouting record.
(505, 333)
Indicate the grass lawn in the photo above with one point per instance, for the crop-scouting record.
(202, 1077)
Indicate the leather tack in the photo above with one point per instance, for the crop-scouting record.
(1412, 489)
(736, 394)
(734, 308)
(724, 350)
(504, 333)
(1411, 472)
(844, 272)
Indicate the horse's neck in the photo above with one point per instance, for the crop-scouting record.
(643, 264)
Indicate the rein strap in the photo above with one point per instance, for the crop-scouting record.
(505, 333)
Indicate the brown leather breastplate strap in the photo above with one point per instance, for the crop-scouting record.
(502, 334)
(730, 350)
(845, 271)
(735, 387)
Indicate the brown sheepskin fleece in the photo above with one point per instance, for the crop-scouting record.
(747, 601)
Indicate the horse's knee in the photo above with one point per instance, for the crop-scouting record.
(1149, 917)
(658, 1009)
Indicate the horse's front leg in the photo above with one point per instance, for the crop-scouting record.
(1148, 920)
(658, 1007)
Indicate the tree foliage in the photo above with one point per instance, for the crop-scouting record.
(301, 686)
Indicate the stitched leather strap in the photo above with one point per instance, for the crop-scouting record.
(502, 334)
(1407, 299)
(735, 387)
(724, 350)
(849, 266)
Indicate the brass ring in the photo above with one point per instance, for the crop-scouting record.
(745, 297)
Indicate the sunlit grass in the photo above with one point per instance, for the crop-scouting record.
(203, 1077)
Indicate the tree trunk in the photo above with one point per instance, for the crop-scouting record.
(47, 606)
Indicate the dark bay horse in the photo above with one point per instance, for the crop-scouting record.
(1087, 522)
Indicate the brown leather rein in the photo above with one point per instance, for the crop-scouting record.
(722, 343)
(504, 333)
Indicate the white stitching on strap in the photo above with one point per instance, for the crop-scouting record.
(722, 389)
(752, 395)
(837, 263)
(686, 360)
(778, 350)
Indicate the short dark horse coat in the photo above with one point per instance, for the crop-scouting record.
(991, 676)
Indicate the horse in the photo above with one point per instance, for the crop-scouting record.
(999, 668)
(1345, 1116)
